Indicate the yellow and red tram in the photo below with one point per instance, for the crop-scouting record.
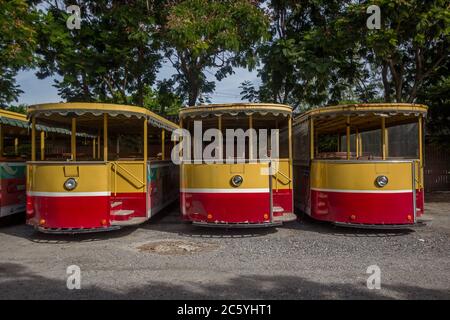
(14, 152)
(360, 165)
(97, 167)
(239, 183)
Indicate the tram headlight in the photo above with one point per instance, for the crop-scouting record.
(70, 184)
(382, 181)
(236, 181)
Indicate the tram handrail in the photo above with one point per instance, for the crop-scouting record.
(284, 175)
(117, 165)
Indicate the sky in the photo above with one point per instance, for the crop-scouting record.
(42, 91)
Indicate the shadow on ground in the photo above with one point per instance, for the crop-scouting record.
(18, 282)
(306, 224)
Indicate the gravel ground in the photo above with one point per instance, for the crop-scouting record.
(168, 259)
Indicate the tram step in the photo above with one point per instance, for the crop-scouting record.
(285, 218)
(278, 209)
(130, 222)
(116, 204)
(122, 212)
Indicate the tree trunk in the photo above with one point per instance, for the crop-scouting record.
(193, 94)
(386, 85)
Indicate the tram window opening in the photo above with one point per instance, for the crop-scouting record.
(87, 131)
(371, 145)
(242, 121)
(403, 141)
(301, 141)
(154, 144)
(125, 138)
(16, 143)
(327, 146)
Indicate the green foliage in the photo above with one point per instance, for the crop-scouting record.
(202, 34)
(112, 57)
(321, 52)
(17, 44)
(21, 108)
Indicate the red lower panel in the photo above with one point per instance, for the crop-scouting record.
(135, 201)
(68, 212)
(365, 208)
(12, 191)
(420, 202)
(282, 199)
(226, 207)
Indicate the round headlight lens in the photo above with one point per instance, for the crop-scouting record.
(70, 184)
(382, 181)
(236, 181)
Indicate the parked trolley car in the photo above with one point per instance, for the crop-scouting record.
(243, 186)
(97, 167)
(14, 151)
(360, 165)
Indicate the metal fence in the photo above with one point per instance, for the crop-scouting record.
(437, 168)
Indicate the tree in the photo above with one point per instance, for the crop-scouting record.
(322, 52)
(303, 64)
(18, 19)
(200, 35)
(113, 57)
(410, 47)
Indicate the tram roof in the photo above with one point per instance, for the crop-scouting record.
(364, 115)
(96, 109)
(14, 119)
(234, 109)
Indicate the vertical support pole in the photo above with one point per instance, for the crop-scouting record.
(145, 153)
(383, 138)
(360, 145)
(33, 138)
(99, 143)
(163, 144)
(347, 138)
(1, 140)
(94, 148)
(105, 137)
(290, 138)
(219, 119)
(250, 138)
(145, 140)
(339, 143)
(180, 140)
(357, 143)
(73, 140)
(16, 146)
(42, 145)
(311, 137)
(420, 141)
(291, 154)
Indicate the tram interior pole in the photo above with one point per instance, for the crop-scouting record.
(348, 137)
(383, 137)
(105, 137)
(42, 145)
(33, 139)
(73, 143)
(311, 137)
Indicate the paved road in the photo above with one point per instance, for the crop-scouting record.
(167, 259)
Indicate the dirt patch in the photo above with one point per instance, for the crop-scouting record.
(176, 247)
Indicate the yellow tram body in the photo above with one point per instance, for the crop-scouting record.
(369, 178)
(14, 151)
(208, 196)
(98, 187)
